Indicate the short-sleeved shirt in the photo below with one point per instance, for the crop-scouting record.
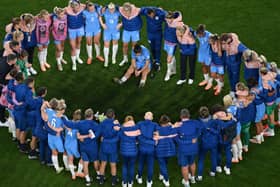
(142, 58)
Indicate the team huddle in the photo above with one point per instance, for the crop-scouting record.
(100, 139)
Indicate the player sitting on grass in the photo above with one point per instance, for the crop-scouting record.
(140, 65)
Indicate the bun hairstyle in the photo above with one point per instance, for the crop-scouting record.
(204, 112)
(58, 10)
(128, 118)
(127, 7)
(250, 55)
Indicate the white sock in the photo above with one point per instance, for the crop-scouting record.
(40, 57)
(206, 76)
(61, 55)
(58, 60)
(115, 51)
(142, 81)
(87, 178)
(97, 49)
(173, 64)
(80, 168)
(169, 67)
(97, 172)
(45, 54)
(65, 161)
(210, 81)
(234, 151)
(123, 79)
(106, 54)
(125, 58)
(72, 169)
(89, 51)
(220, 84)
(55, 162)
(239, 147)
(78, 51)
(74, 58)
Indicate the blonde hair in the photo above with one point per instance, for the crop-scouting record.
(77, 115)
(43, 13)
(128, 118)
(60, 105)
(263, 59)
(17, 34)
(58, 10)
(27, 18)
(148, 116)
(182, 29)
(127, 7)
(88, 113)
(53, 103)
(250, 55)
(227, 100)
(240, 86)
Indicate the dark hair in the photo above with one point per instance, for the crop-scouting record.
(23, 53)
(41, 91)
(225, 36)
(19, 77)
(185, 113)
(169, 15)
(204, 112)
(110, 113)
(11, 57)
(164, 119)
(217, 108)
(252, 82)
(13, 44)
(16, 21)
(29, 80)
(13, 72)
(200, 29)
(137, 49)
(151, 11)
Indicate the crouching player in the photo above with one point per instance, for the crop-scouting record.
(87, 135)
(140, 65)
(187, 139)
(209, 142)
(109, 146)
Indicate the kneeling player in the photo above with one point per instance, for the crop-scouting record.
(140, 65)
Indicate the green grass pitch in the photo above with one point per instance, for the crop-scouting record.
(257, 24)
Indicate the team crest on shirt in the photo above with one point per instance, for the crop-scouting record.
(156, 18)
